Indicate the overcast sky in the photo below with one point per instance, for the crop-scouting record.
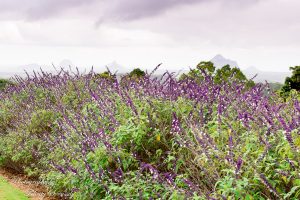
(144, 33)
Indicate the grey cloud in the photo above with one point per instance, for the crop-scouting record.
(112, 9)
(135, 9)
(101, 10)
(37, 9)
(125, 10)
(48, 8)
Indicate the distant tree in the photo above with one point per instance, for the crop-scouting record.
(223, 74)
(105, 75)
(226, 73)
(205, 67)
(291, 83)
(137, 73)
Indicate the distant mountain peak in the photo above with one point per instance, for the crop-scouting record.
(218, 56)
(220, 61)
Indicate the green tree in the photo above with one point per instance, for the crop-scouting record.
(105, 75)
(291, 83)
(207, 67)
(137, 73)
(197, 74)
(226, 73)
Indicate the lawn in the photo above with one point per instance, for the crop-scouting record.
(8, 192)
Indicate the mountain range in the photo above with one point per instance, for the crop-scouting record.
(219, 61)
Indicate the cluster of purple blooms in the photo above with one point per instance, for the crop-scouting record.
(90, 117)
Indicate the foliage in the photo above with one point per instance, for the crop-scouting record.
(202, 69)
(105, 75)
(205, 136)
(226, 74)
(291, 83)
(137, 72)
(134, 76)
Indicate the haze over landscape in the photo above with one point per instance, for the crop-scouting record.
(218, 60)
(141, 33)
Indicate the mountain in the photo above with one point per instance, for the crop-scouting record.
(262, 76)
(219, 61)
(19, 70)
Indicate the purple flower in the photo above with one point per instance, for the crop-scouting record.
(175, 128)
(118, 175)
(268, 185)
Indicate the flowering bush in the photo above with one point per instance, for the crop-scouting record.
(94, 138)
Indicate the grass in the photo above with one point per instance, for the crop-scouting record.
(8, 192)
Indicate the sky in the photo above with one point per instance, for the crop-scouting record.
(144, 33)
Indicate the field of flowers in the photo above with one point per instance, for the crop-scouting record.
(92, 137)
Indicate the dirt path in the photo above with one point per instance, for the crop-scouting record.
(33, 189)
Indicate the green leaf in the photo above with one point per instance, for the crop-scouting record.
(291, 192)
